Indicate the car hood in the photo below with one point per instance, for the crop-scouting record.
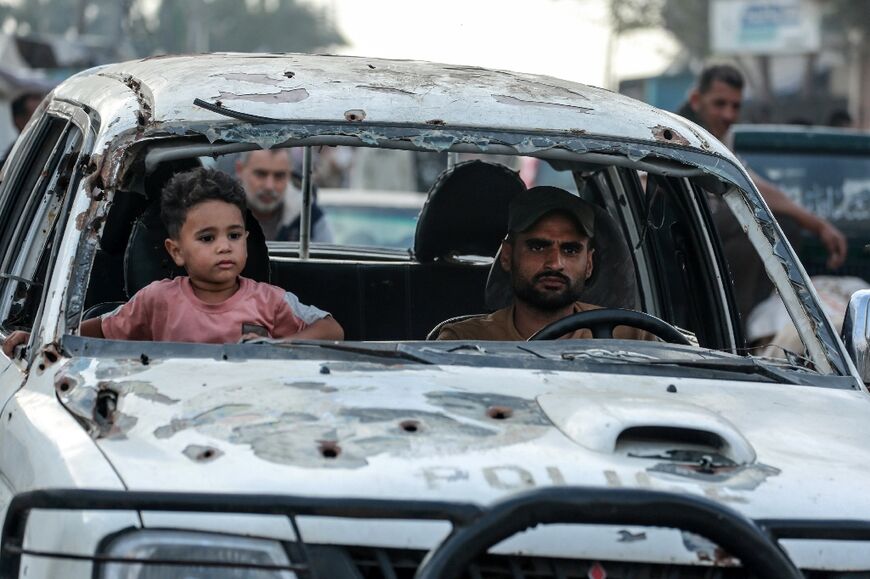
(367, 430)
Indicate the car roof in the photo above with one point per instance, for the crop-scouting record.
(800, 138)
(342, 88)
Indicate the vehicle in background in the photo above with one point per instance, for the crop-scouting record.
(383, 219)
(827, 170)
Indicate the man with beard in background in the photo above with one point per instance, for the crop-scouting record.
(274, 198)
(548, 255)
(715, 105)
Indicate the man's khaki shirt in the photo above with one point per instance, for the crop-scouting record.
(499, 326)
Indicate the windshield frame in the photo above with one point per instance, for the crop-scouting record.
(716, 173)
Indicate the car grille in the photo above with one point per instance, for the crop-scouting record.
(376, 563)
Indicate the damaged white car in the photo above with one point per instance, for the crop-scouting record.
(390, 455)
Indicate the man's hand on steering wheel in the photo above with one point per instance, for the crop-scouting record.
(602, 322)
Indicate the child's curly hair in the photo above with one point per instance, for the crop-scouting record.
(186, 189)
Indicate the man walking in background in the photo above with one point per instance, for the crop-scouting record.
(274, 198)
(715, 104)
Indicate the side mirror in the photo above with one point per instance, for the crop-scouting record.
(856, 332)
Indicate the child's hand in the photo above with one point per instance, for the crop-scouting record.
(16, 338)
(324, 329)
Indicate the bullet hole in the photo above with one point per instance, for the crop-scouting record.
(672, 389)
(325, 370)
(289, 74)
(499, 412)
(144, 359)
(329, 449)
(667, 134)
(355, 115)
(218, 104)
(64, 386)
(437, 122)
(224, 357)
(50, 355)
(372, 66)
(410, 426)
(202, 453)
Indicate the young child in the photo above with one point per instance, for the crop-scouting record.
(203, 211)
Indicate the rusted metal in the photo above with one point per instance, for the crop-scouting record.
(669, 135)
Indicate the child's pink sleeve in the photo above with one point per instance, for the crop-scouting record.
(131, 321)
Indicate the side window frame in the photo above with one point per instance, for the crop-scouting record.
(42, 219)
(32, 233)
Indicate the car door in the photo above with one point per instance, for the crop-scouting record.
(38, 180)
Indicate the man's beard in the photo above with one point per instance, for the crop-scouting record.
(272, 201)
(528, 292)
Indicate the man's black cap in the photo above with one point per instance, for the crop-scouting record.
(528, 206)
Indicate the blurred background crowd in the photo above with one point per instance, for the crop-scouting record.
(805, 61)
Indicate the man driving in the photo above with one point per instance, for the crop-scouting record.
(549, 257)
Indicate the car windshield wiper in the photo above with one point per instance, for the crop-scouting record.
(390, 351)
(222, 110)
(738, 365)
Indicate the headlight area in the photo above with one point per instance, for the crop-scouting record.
(164, 554)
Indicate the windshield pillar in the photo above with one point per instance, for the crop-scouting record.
(790, 279)
(305, 217)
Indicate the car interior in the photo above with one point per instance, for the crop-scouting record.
(650, 253)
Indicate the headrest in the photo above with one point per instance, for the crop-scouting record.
(146, 259)
(612, 285)
(466, 212)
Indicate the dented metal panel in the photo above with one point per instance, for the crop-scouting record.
(446, 433)
(317, 87)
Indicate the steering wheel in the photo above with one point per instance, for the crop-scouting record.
(602, 321)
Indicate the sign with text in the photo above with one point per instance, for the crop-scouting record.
(765, 26)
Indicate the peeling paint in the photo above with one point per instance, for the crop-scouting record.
(294, 95)
(387, 90)
(238, 413)
(707, 551)
(742, 477)
(250, 77)
(629, 537)
(510, 100)
(113, 369)
(668, 135)
(144, 390)
(475, 405)
(315, 386)
(298, 438)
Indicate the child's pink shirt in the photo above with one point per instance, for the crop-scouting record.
(169, 311)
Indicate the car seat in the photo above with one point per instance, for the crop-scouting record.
(466, 211)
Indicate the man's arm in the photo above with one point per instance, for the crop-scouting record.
(831, 237)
